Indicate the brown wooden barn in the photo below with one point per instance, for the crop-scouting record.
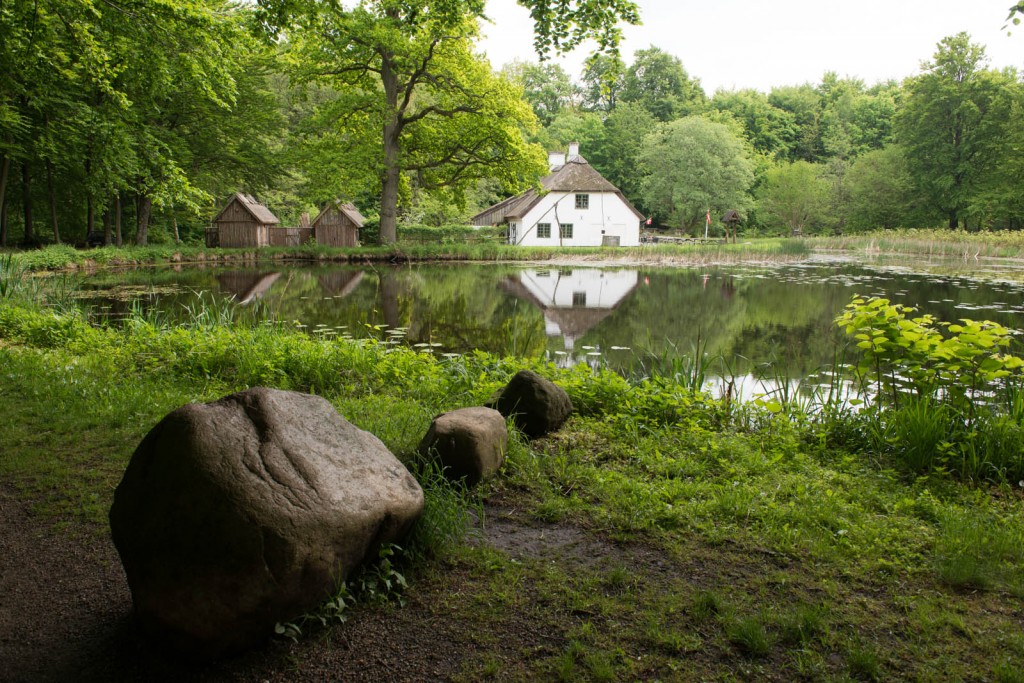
(244, 222)
(338, 225)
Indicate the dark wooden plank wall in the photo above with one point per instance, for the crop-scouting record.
(237, 228)
(335, 229)
(289, 237)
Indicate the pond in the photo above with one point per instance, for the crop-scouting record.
(635, 320)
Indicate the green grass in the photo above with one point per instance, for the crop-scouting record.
(58, 257)
(709, 540)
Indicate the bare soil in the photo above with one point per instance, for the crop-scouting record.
(65, 615)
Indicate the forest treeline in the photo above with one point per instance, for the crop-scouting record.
(134, 120)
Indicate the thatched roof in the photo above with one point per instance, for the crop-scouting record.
(259, 212)
(574, 176)
(347, 208)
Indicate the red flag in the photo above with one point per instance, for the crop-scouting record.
(709, 217)
(649, 220)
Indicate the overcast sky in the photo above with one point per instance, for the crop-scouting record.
(757, 44)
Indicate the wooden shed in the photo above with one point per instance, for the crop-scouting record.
(338, 225)
(244, 222)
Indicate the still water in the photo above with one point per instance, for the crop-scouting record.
(634, 320)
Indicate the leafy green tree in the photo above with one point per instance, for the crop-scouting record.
(882, 192)
(413, 98)
(999, 202)
(952, 117)
(584, 127)
(695, 166)
(602, 79)
(658, 82)
(769, 129)
(547, 87)
(794, 195)
(616, 151)
(803, 104)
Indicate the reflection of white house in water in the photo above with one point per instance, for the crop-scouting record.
(573, 301)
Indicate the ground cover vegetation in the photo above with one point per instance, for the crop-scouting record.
(109, 128)
(687, 536)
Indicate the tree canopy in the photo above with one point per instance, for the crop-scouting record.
(695, 166)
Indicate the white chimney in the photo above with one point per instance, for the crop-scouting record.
(556, 159)
(574, 150)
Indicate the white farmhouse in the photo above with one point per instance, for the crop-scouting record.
(576, 207)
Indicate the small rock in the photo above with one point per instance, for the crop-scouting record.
(470, 443)
(537, 405)
(251, 510)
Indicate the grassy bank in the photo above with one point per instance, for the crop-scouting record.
(65, 257)
(936, 243)
(678, 537)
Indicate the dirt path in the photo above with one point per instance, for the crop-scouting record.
(65, 615)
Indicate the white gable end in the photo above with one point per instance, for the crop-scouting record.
(597, 218)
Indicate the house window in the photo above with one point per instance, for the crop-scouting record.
(544, 231)
(583, 201)
(579, 298)
(512, 232)
(565, 231)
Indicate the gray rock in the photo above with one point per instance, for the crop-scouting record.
(470, 443)
(237, 514)
(537, 405)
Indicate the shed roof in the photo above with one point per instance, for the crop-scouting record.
(347, 208)
(259, 212)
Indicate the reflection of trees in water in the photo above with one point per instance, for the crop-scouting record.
(461, 309)
(744, 320)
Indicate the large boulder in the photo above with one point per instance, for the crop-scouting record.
(469, 443)
(537, 405)
(237, 514)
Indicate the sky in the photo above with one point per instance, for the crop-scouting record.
(733, 44)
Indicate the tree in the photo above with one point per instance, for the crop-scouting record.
(694, 166)
(658, 82)
(882, 193)
(413, 98)
(769, 129)
(803, 104)
(951, 119)
(572, 126)
(547, 87)
(616, 151)
(794, 195)
(602, 82)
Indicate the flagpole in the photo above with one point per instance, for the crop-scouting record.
(707, 224)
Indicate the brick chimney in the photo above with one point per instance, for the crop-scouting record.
(574, 150)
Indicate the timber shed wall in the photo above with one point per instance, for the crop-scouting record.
(236, 227)
(289, 237)
(335, 229)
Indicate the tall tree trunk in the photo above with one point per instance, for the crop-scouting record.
(392, 129)
(107, 220)
(117, 219)
(145, 205)
(5, 167)
(90, 216)
(953, 220)
(53, 202)
(26, 201)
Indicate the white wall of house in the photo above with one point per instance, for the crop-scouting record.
(605, 215)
